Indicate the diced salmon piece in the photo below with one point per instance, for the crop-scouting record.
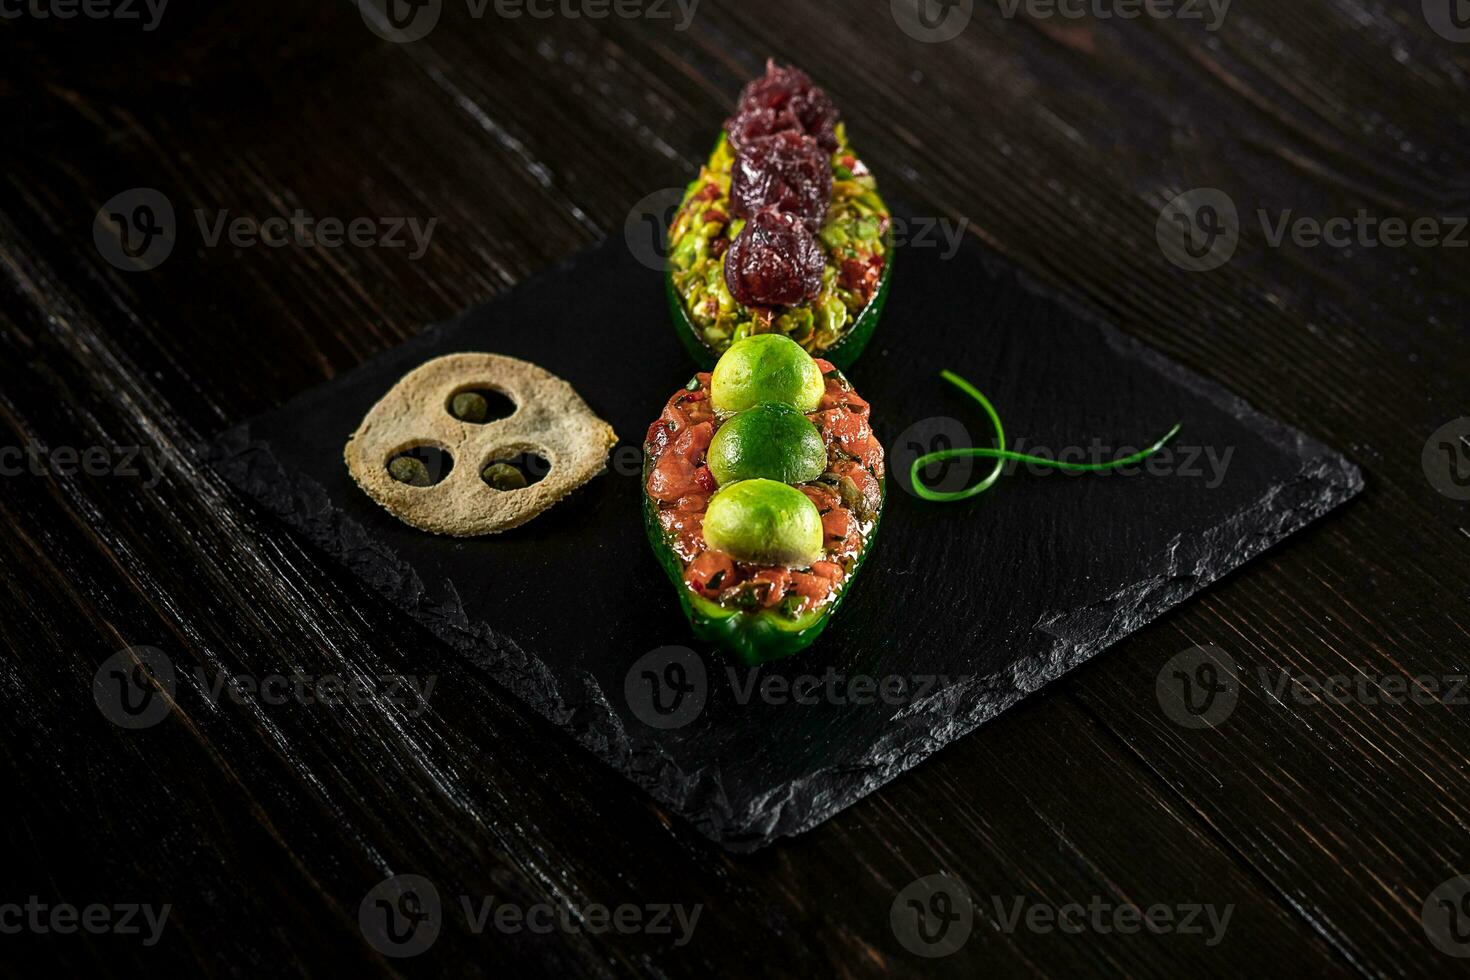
(779, 580)
(836, 395)
(710, 573)
(672, 478)
(693, 406)
(693, 441)
(824, 497)
(870, 453)
(836, 526)
(812, 588)
(829, 570)
(846, 427)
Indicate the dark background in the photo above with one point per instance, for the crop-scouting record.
(1058, 141)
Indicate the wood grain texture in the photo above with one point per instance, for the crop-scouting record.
(1057, 141)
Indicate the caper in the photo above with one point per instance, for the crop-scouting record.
(407, 469)
(469, 406)
(503, 476)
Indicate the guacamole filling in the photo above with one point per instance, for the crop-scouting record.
(853, 238)
(847, 495)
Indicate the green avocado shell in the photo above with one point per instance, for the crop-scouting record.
(752, 637)
(842, 354)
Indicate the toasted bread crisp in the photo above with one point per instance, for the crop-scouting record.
(550, 420)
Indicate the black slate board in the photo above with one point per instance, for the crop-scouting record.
(987, 601)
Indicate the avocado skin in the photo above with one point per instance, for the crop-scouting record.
(751, 637)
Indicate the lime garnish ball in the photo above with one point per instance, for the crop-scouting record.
(764, 523)
(768, 367)
(772, 441)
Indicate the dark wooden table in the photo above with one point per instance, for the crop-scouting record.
(1323, 823)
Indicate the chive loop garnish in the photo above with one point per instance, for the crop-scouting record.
(1001, 454)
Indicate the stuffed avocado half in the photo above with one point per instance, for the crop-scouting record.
(783, 231)
(763, 489)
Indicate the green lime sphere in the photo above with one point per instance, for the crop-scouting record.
(773, 441)
(764, 523)
(768, 367)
